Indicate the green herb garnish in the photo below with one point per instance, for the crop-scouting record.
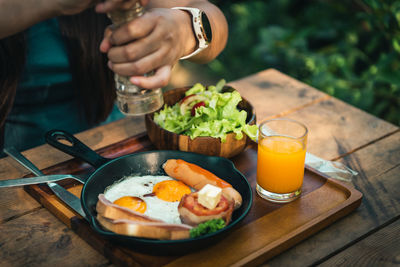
(207, 227)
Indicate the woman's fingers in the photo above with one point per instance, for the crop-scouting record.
(143, 46)
(137, 44)
(110, 5)
(105, 44)
(107, 6)
(126, 35)
(159, 79)
(144, 2)
(131, 52)
(143, 65)
(135, 29)
(153, 41)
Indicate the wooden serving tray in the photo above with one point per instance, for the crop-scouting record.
(266, 231)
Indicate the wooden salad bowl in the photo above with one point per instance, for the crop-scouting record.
(211, 146)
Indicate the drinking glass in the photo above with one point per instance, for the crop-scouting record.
(280, 159)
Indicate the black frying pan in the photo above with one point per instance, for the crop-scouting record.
(148, 163)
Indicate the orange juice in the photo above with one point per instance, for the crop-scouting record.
(280, 164)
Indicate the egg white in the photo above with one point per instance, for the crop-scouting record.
(138, 186)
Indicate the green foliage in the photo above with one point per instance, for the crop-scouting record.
(349, 49)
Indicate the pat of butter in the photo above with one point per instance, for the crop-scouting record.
(209, 196)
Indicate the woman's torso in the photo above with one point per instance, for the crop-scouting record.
(45, 97)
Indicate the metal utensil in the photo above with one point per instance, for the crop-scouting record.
(36, 180)
(67, 197)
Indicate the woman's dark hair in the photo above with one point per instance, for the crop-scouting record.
(12, 59)
(83, 34)
(94, 81)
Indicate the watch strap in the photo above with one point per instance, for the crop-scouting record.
(198, 30)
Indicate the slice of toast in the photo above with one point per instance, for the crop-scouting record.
(124, 221)
(156, 230)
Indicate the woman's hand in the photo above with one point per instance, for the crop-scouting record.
(110, 5)
(71, 7)
(152, 42)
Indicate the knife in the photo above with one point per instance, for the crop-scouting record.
(36, 180)
(67, 197)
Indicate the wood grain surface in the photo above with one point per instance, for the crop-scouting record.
(274, 94)
(379, 249)
(38, 238)
(344, 130)
(338, 131)
(378, 165)
(271, 227)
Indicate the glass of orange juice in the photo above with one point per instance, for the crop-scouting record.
(280, 159)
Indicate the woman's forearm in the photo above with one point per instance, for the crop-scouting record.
(219, 29)
(18, 15)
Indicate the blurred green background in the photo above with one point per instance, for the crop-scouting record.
(348, 49)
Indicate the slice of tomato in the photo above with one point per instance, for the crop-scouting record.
(191, 203)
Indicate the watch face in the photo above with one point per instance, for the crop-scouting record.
(206, 28)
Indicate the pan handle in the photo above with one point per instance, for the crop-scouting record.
(76, 147)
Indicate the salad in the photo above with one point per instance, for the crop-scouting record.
(206, 112)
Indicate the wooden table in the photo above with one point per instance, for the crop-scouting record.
(30, 235)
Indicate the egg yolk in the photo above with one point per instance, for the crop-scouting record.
(171, 190)
(133, 203)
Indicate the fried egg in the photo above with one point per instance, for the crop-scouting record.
(155, 196)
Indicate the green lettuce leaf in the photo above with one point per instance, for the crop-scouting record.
(217, 118)
(197, 88)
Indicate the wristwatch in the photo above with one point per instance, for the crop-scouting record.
(201, 29)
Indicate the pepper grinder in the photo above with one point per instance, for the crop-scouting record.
(131, 99)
